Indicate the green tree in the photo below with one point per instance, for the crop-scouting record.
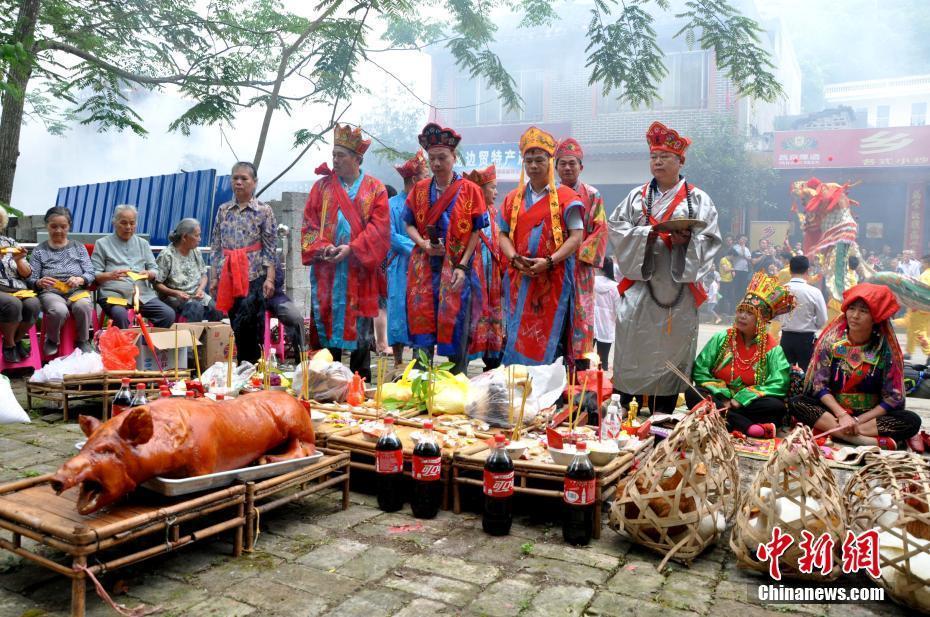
(722, 165)
(66, 61)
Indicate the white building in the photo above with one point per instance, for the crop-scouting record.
(897, 101)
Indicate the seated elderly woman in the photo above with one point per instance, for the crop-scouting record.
(17, 314)
(855, 381)
(60, 268)
(124, 265)
(743, 368)
(182, 275)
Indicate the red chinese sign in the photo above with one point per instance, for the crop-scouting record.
(914, 222)
(905, 146)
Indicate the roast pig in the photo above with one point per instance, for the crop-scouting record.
(181, 438)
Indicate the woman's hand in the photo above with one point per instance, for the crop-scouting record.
(75, 282)
(19, 255)
(116, 274)
(45, 282)
(198, 295)
(181, 295)
(849, 426)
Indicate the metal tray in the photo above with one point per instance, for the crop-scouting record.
(172, 487)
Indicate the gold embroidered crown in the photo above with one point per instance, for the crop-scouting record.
(767, 296)
(537, 138)
(351, 138)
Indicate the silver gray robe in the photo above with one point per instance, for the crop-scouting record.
(643, 341)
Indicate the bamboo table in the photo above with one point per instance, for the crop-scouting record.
(541, 479)
(266, 495)
(31, 508)
(94, 385)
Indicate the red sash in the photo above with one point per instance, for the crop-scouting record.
(442, 204)
(487, 243)
(234, 277)
(537, 213)
(697, 290)
(346, 206)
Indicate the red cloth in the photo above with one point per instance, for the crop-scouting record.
(881, 300)
(234, 278)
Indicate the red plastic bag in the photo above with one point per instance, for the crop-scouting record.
(118, 349)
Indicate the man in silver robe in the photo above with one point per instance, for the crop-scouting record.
(661, 259)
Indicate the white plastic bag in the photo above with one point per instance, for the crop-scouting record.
(75, 363)
(489, 399)
(329, 381)
(215, 376)
(10, 409)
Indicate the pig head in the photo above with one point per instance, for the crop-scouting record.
(108, 465)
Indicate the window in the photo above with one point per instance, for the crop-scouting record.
(479, 102)
(862, 116)
(684, 87)
(918, 114)
(882, 115)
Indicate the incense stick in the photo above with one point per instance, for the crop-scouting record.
(684, 378)
(516, 431)
(229, 366)
(196, 357)
(176, 352)
(510, 392)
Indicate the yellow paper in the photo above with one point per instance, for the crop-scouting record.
(25, 293)
(61, 286)
(137, 276)
(80, 295)
(9, 249)
(117, 301)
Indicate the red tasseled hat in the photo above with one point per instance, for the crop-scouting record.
(569, 147)
(415, 166)
(881, 301)
(660, 137)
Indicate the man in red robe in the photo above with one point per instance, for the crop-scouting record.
(568, 164)
(346, 236)
(541, 228)
(444, 214)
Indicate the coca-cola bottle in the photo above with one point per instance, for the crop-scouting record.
(427, 467)
(389, 464)
(123, 399)
(578, 498)
(498, 490)
(140, 398)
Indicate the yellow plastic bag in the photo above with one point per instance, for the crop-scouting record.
(399, 390)
(450, 395)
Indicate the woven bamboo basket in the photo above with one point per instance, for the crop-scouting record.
(891, 494)
(794, 491)
(678, 503)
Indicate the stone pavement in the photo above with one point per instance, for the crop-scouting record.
(314, 559)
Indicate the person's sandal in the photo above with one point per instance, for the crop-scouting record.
(22, 350)
(886, 443)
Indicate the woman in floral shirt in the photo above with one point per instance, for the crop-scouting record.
(856, 376)
(182, 275)
(17, 312)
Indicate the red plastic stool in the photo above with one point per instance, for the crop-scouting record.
(33, 361)
(279, 344)
(67, 340)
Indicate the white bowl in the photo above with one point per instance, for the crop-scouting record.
(317, 418)
(516, 449)
(602, 452)
(562, 456)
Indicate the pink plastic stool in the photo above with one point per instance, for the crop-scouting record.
(33, 361)
(279, 344)
(66, 344)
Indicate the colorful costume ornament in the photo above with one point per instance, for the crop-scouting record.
(754, 375)
(590, 255)
(487, 330)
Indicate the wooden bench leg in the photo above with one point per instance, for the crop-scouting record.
(456, 497)
(598, 505)
(249, 516)
(78, 589)
(237, 536)
(345, 490)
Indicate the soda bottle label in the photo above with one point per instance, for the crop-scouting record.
(498, 484)
(427, 468)
(389, 461)
(579, 492)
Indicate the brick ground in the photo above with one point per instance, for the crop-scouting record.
(314, 559)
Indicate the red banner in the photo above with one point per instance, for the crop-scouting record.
(905, 146)
(914, 218)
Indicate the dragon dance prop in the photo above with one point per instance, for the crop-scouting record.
(830, 236)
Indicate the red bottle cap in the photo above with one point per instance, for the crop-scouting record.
(125, 381)
(189, 394)
(428, 425)
(165, 394)
(140, 386)
(499, 438)
(581, 446)
(389, 420)
(220, 397)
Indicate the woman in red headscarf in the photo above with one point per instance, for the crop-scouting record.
(856, 377)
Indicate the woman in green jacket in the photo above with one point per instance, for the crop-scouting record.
(743, 368)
